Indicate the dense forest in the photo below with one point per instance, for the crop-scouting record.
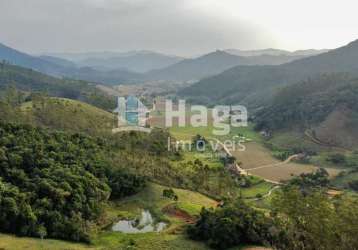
(54, 183)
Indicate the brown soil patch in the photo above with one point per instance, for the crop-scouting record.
(173, 211)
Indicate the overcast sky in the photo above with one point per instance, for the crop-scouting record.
(182, 27)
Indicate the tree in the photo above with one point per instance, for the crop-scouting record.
(231, 225)
(314, 221)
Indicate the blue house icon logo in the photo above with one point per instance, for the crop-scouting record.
(132, 114)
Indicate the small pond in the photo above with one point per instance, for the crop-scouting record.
(145, 224)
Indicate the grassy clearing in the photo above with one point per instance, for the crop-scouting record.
(152, 198)
(187, 132)
(69, 115)
(9, 242)
(73, 105)
(154, 241)
(207, 158)
(106, 241)
(258, 189)
(290, 140)
(255, 155)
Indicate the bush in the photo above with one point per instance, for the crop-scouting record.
(232, 225)
(353, 185)
(169, 193)
(337, 158)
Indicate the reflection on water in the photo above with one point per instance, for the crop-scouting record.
(144, 225)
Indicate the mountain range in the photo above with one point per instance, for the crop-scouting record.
(276, 52)
(140, 62)
(115, 68)
(216, 62)
(60, 67)
(255, 85)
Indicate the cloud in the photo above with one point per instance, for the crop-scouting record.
(177, 26)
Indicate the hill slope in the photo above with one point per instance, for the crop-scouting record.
(255, 85)
(69, 115)
(28, 80)
(22, 59)
(325, 106)
(198, 68)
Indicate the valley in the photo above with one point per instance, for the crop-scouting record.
(78, 169)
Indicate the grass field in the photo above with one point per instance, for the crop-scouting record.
(9, 242)
(152, 197)
(255, 155)
(73, 105)
(207, 157)
(257, 189)
(71, 115)
(187, 133)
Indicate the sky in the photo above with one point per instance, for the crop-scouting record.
(181, 27)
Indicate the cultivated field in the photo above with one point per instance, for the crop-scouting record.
(261, 162)
(254, 156)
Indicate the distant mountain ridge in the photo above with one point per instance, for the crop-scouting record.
(59, 61)
(59, 67)
(216, 62)
(138, 62)
(19, 58)
(276, 52)
(198, 68)
(105, 69)
(255, 85)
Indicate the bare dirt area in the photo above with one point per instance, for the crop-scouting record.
(173, 211)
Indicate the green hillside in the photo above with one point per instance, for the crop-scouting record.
(28, 80)
(325, 108)
(69, 115)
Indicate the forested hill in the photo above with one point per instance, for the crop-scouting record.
(255, 85)
(55, 184)
(326, 106)
(28, 80)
